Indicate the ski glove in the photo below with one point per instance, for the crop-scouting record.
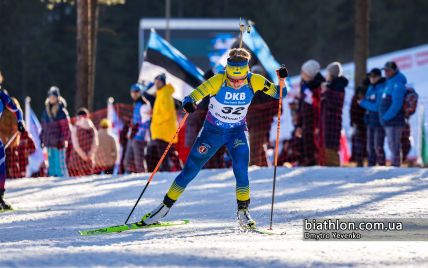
(21, 126)
(282, 72)
(188, 105)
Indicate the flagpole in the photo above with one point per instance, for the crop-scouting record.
(27, 109)
(112, 131)
(167, 19)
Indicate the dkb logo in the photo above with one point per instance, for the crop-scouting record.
(235, 96)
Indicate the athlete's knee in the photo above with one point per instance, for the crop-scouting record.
(189, 172)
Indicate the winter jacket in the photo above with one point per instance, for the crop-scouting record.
(391, 105)
(331, 112)
(309, 101)
(17, 156)
(107, 153)
(55, 124)
(164, 121)
(308, 118)
(141, 117)
(84, 137)
(371, 103)
(10, 114)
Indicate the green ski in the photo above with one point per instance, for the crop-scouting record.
(262, 231)
(131, 226)
(266, 232)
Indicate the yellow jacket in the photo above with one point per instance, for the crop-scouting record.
(164, 119)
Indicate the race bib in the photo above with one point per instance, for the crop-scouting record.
(228, 113)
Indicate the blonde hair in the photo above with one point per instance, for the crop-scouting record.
(239, 55)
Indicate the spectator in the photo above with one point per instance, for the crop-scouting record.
(375, 131)
(17, 156)
(358, 127)
(139, 132)
(106, 156)
(309, 112)
(332, 97)
(391, 112)
(56, 132)
(84, 138)
(286, 156)
(20, 149)
(6, 102)
(163, 127)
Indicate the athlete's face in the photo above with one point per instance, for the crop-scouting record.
(236, 83)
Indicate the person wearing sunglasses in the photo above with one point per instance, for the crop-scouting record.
(231, 92)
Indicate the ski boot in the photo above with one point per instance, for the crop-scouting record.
(3, 204)
(158, 213)
(245, 220)
(243, 215)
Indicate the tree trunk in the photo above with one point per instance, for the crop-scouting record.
(361, 39)
(87, 17)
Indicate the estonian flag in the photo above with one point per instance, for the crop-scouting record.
(260, 54)
(162, 57)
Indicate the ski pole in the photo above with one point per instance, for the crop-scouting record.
(158, 165)
(276, 149)
(11, 140)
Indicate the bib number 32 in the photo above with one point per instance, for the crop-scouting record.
(228, 110)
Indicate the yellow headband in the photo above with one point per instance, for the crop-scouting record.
(237, 69)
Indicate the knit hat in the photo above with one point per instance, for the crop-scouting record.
(105, 123)
(54, 91)
(390, 65)
(311, 68)
(375, 72)
(136, 87)
(161, 77)
(82, 111)
(335, 69)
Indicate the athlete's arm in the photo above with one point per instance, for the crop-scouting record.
(259, 83)
(209, 87)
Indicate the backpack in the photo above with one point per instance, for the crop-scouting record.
(410, 102)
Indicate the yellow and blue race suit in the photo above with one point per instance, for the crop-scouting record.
(225, 124)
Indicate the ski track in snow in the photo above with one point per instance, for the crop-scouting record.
(51, 239)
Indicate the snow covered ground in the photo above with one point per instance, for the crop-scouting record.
(50, 238)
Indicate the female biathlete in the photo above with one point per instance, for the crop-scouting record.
(231, 92)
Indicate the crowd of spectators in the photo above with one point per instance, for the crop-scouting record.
(381, 107)
(76, 146)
